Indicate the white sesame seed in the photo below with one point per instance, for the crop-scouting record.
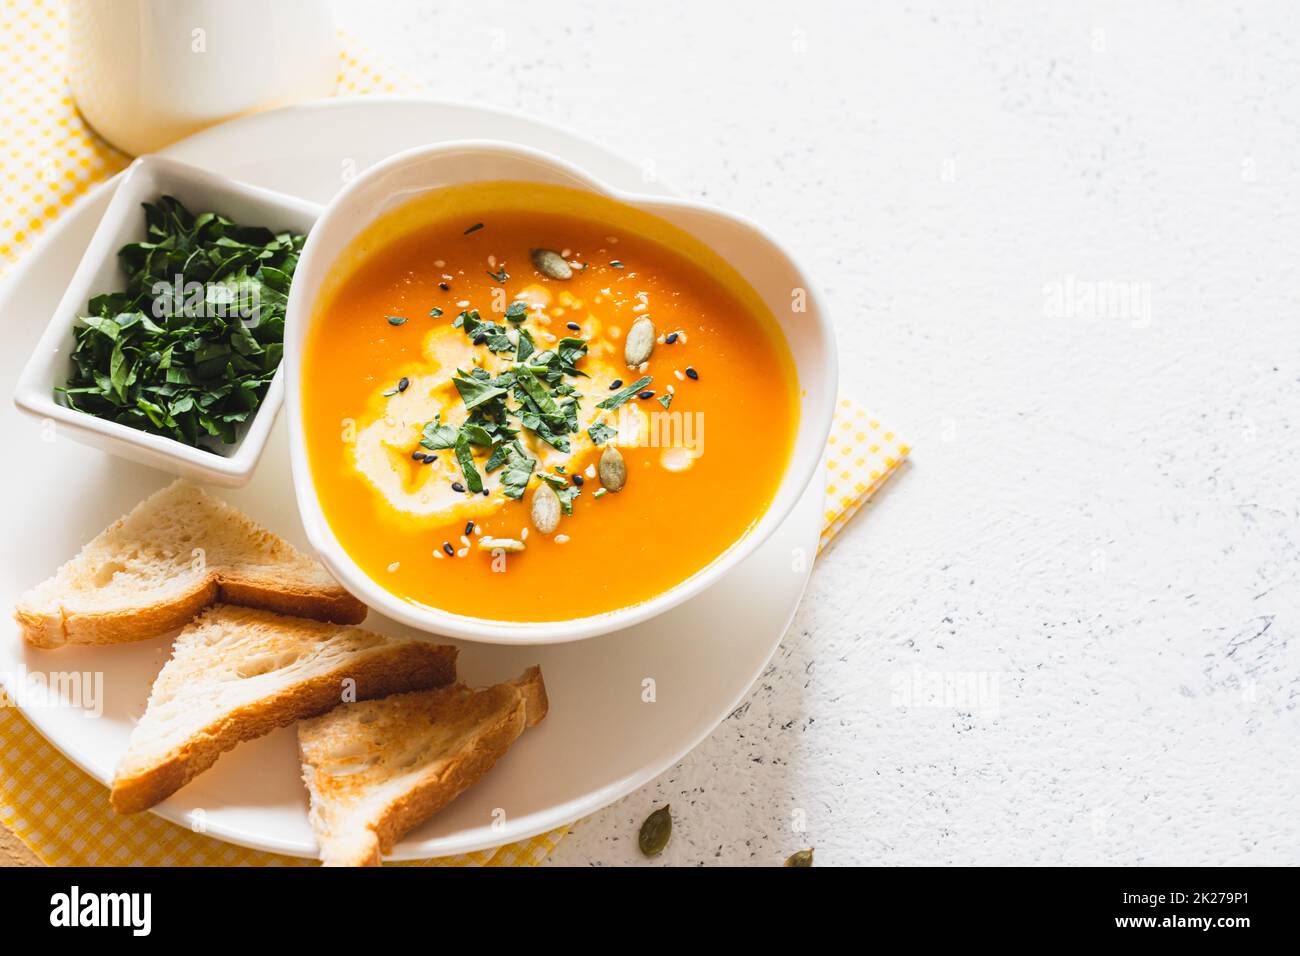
(641, 307)
(394, 566)
(464, 539)
(462, 552)
(591, 471)
(492, 261)
(643, 366)
(672, 390)
(681, 336)
(679, 375)
(448, 277)
(561, 539)
(463, 303)
(439, 264)
(438, 555)
(523, 535)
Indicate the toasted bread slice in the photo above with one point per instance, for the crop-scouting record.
(177, 552)
(238, 673)
(376, 769)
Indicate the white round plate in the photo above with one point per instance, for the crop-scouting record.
(601, 740)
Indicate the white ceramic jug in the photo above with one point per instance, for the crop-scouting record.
(147, 72)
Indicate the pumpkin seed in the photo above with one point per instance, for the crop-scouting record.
(500, 544)
(613, 469)
(802, 858)
(640, 341)
(546, 509)
(551, 264)
(655, 832)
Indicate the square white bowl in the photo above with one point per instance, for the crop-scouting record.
(200, 191)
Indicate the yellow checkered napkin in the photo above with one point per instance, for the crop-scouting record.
(51, 158)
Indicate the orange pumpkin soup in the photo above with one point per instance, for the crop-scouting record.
(465, 378)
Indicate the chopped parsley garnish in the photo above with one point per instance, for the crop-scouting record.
(616, 264)
(435, 312)
(473, 480)
(397, 320)
(622, 397)
(484, 333)
(474, 391)
(666, 400)
(185, 365)
(601, 433)
(532, 393)
(500, 276)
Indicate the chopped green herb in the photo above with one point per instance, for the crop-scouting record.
(622, 397)
(435, 436)
(525, 347)
(474, 228)
(435, 312)
(566, 496)
(517, 312)
(519, 468)
(473, 480)
(601, 433)
(616, 264)
(189, 348)
(666, 399)
(501, 276)
(397, 320)
(474, 391)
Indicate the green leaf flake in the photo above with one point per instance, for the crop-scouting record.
(621, 397)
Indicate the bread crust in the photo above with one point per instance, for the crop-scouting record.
(405, 666)
(434, 790)
(47, 622)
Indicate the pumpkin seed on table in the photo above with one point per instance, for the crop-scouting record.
(640, 341)
(612, 469)
(655, 832)
(551, 264)
(546, 509)
(802, 858)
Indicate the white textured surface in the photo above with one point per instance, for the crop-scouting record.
(1101, 515)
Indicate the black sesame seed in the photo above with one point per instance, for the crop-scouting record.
(418, 455)
(670, 338)
(443, 286)
(403, 384)
(485, 492)
(617, 383)
(577, 480)
(457, 486)
(691, 373)
(430, 459)
(648, 393)
(469, 528)
(573, 326)
(446, 546)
